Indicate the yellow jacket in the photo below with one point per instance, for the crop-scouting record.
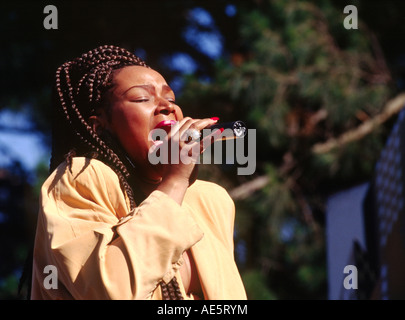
(100, 250)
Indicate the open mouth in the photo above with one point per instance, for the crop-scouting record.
(164, 125)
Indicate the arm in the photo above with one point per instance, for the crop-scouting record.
(99, 256)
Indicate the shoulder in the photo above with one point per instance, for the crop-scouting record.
(85, 183)
(210, 196)
(207, 188)
(86, 177)
(82, 170)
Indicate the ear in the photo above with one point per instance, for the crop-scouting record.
(98, 123)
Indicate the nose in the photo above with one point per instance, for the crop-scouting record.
(164, 107)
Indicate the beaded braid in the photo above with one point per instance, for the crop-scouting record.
(171, 290)
(95, 71)
(80, 88)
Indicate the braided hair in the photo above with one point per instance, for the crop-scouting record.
(82, 85)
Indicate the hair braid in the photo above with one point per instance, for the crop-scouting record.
(171, 290)
(80, 87)
(97, 80)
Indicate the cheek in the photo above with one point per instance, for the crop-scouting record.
(131, 129)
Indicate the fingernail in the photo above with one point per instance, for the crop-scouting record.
(214, 118)
(222, 130)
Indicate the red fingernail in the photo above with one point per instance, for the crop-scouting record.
(222, 130)
(214, 118)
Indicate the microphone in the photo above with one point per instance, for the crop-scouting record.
(233, 130)
(237, 128)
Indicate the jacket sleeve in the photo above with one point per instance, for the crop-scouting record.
(100, 251)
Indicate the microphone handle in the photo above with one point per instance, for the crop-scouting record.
(238, 128)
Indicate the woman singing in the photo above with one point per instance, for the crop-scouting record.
(113, 224)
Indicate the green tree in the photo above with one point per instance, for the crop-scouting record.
(304, 83)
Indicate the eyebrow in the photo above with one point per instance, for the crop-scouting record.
(148, 87)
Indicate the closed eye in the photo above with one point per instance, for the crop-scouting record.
(140, 100)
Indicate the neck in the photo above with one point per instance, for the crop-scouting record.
(143, 186)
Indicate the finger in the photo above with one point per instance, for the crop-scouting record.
(178, 129)
(209, 139)
(195, 148)
(191, 135)
(191, 128)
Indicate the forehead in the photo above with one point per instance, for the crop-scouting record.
(137, 75)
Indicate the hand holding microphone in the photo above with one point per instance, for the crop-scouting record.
(181, 143)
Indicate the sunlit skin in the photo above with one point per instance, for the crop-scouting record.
(139, 100)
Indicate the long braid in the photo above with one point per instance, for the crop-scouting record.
(98, 66)
(80, 88)
(171, 290)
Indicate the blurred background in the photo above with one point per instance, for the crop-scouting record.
(324, 100)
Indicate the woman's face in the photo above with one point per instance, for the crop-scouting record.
(140, 101)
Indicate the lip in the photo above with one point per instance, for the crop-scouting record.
(165, 123)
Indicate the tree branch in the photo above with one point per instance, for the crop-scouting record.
(392, 107)
(247, 188)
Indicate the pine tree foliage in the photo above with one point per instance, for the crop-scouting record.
(299, 78)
